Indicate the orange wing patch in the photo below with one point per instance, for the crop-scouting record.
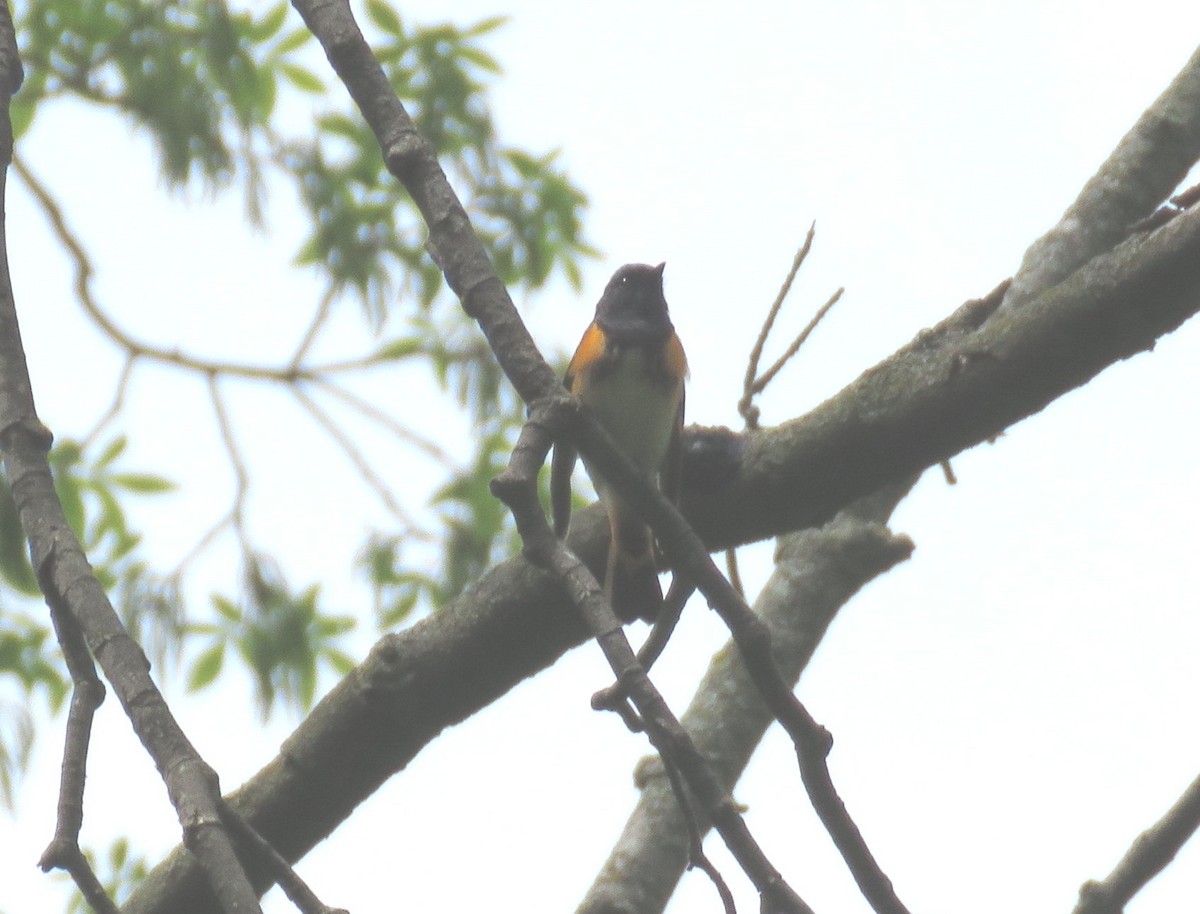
(588, 353)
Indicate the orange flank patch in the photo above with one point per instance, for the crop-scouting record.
(677, 365)
(589, 352)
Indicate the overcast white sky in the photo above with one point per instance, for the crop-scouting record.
(1010, 708)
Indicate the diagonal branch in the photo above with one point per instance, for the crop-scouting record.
(956, 385)
(1149, 855)
(819, 570)
(517, 488)
(71, 587)
(461, 256)
(1147, 165)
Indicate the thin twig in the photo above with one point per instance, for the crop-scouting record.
(241, 475)
(356, 456)
(289, 374)
(612, 698)
(296, 889)
(118, 401)
(744, 405)
(87, 695)
(733, 571)
(314, 328)
(426, 445)
(769, 375)
(696, 856)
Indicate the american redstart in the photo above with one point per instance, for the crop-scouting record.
(629, 370)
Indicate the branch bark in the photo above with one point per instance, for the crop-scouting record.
(1147, 165)
(817, 571)
(962, 383)
(956, 385)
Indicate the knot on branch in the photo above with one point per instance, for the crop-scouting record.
(404, 153)
(29, 428)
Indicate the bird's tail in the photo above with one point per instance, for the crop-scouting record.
(631, 582)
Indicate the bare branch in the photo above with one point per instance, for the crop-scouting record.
(517, 488)
(355, 455)
(817, 572)
(1147, 165)
(1149, 856)
(114, 408)
(769, 375)
(64, 851)
(241, 475)
(427, 446)
(313, 330)
(954, 386)
(296, 889)
(744, 405)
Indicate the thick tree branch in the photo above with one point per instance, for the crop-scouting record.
(1147, 165)
(956, 385)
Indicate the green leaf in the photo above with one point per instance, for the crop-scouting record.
(227, 608)
(15, 569)
(21, 112)
(398, 349)
(332, 626)
(207, 667)
(143, 483)
(480, 58)
(483, 26)
(302, 78)
(69, 495)
(269, 25)
(291, 41)
(385, 17)
(341, 662)
(340, 125)
(114, 450)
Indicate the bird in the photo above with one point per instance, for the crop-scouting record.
(629, 370)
